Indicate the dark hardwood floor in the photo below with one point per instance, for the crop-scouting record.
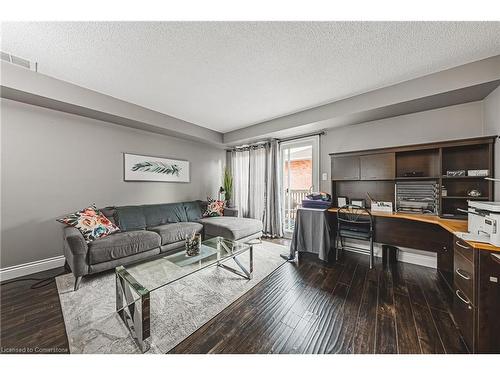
(306, 308)
(344, 308)
(31, 319)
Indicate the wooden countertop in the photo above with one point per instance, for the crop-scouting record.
(450, 225)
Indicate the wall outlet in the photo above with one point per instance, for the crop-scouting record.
(324, 176)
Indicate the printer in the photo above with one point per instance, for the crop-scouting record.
(483, 222)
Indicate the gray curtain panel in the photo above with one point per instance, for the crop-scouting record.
(272, 213)
(256, 174)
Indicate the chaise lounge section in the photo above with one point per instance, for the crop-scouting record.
(149, 230)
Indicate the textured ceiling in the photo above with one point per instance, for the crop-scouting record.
(228, 75)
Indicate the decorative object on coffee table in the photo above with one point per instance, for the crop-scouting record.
(151, 168)
(193, 244)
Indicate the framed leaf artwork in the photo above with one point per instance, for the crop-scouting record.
(153, 168)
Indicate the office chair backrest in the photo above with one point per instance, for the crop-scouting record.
(350, 216)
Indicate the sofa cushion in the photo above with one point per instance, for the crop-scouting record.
(214, 208)
(193, 210)
(176, 232)
(130, 218)
(91, 223)
(159, 214)
(109, 212)
(121, 245)
(232, 228)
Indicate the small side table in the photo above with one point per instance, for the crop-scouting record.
(311, 233)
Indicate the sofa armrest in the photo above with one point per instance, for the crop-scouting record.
(231, 211)
(75, 251)
(75, 240)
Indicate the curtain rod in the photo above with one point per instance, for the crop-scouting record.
(262, 142)
(301, 136)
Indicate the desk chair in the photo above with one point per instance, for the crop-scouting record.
(354, 222)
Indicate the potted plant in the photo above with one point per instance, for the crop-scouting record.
(227, 182)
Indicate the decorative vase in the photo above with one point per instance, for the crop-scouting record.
(193, 244)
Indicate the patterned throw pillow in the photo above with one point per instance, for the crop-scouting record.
(214, 208)
(91, 223)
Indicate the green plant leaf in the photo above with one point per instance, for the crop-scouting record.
(157, 167)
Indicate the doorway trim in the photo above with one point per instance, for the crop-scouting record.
(313, 141)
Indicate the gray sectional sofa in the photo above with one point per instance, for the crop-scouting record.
(149, 230)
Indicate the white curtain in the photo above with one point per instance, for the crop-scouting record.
(257, 183)
(240, 167)
(249, 179)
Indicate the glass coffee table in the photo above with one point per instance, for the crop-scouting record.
(135, 282)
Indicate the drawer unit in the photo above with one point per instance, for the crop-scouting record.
(463, 248)
(463, 276)
(463, 311)
(464, 279)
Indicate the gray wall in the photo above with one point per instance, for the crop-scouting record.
(54, 163)
(491, 106)
(454, 122)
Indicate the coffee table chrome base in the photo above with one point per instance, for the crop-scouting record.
(134, 310)
(133, 300)
(247, 274)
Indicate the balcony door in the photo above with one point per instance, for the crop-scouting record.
(300, 175)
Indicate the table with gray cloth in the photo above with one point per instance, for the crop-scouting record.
(311, 233)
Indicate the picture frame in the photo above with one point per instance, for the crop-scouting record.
(358, 202)
(148, 168)
(342, 201)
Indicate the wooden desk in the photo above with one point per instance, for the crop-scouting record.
(471, 270)
(450, 225)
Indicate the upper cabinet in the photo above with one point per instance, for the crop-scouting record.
(345, 168)
(364, 167)
(378, 166)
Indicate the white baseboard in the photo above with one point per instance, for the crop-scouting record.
(419, 257)
(31, 267)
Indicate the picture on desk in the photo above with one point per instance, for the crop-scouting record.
(342, 201)
(358, 202)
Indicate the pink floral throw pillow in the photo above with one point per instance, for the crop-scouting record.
(91, 223)
(214, 208)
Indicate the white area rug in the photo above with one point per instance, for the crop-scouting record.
(177, 310)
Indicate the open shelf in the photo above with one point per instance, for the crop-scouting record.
(466, 158)
(470, 198)
(425, 162)
(463, 177)
(423, 178)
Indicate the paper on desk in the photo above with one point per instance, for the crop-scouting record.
(466, 236)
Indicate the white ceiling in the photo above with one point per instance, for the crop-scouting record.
(229, 75)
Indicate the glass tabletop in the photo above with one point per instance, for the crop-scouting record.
(146, 276)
